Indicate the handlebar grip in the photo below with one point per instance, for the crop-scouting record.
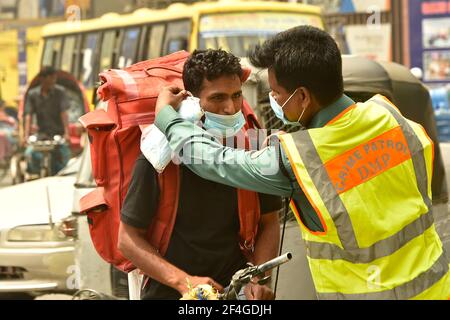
(269, 265)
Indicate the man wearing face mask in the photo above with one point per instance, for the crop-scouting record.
(205, 246)
(359, 176)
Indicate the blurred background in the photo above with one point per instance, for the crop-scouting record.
(399, 48)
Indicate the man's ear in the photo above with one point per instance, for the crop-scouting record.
(245, 74)
(305, 96)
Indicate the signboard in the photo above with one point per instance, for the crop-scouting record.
(370, 42)
(430, 39)
(253, 23)
(350, 6)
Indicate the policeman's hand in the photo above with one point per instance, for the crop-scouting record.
(257, 292)
(172, 96)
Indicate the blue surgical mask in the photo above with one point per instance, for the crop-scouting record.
(278, 110)
(224, 125)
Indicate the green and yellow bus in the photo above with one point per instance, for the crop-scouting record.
(86, 48)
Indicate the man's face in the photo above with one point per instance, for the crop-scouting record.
(281, 95)
(222, 96)
(49, 81)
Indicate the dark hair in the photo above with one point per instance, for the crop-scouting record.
(2, 103)
(47, 71)
(303, 57)
(209, 64)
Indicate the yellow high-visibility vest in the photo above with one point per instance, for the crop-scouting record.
(367, 174)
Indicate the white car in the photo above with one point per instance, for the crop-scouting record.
(44, 243)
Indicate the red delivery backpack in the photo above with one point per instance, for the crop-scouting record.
(114, 136)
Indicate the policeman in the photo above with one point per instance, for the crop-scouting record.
(359, 176)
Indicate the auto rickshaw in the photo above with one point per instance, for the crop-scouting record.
(79, 105)
(363, 78)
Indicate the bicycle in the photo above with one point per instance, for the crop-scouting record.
(48, 149)
(205, 292)
(239, 280)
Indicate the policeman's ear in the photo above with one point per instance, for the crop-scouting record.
(305, 97)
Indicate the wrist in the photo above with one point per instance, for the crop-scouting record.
(179, 282)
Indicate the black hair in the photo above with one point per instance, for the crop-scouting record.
(47, 71)
(209, 64)
(303, 56)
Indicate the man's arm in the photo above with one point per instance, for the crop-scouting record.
(28, 111)
(134, 246)
(27, 127)
(200, 152)
(206, 157)
(266, 248)
(64, 106)
(65, 121)
(268, 240)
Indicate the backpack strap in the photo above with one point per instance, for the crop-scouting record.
(249, 215)
(248, 201)
(161, 229)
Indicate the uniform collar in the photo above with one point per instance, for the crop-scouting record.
(330, 112)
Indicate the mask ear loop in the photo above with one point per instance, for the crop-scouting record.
(301, 116)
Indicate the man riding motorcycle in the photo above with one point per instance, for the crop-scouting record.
(49, 103)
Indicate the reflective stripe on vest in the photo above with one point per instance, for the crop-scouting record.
(302, 151)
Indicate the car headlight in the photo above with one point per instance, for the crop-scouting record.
(37, 233)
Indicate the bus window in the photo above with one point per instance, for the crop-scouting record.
(240, 31)
(88, 61)
(108, 44)
(70, 43)
(52, 52)
(209, 43)
(155, 41)
(177, 36)
(130, 45)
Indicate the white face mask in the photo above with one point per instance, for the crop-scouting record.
(279, 112)
(190, 109)
(154, 144)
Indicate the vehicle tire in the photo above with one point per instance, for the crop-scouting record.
(119, 283)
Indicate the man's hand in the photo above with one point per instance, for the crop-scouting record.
(257, 292)
(172, 96)
(195, 281)
(67, 137)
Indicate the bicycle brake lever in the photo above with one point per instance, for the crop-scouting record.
(263, 281)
